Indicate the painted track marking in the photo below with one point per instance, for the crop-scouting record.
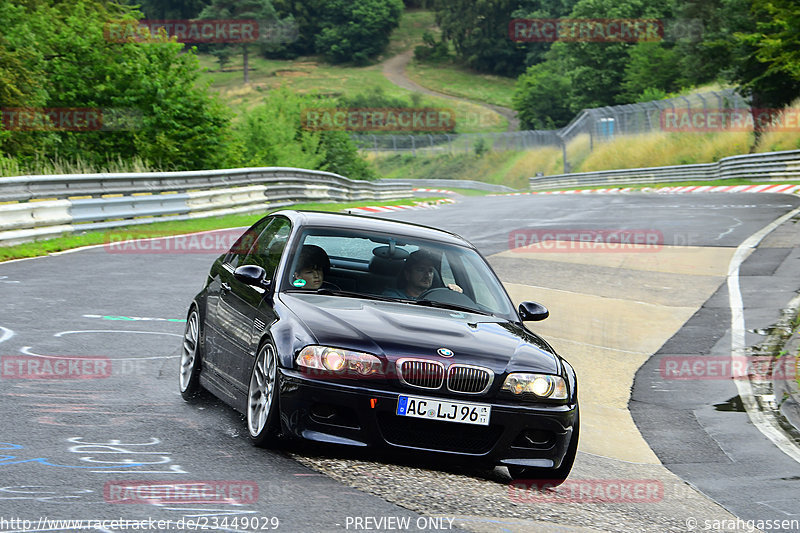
(765, 424)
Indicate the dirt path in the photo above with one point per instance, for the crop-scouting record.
(394, 69)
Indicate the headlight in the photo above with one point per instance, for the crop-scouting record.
(337, 361)
(540, 385)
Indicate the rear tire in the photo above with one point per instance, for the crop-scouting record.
(191, 355)
(551, 478)
(262, 398)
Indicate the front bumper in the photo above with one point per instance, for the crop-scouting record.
(360, 414)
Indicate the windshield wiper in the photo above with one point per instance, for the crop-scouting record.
(443, 305)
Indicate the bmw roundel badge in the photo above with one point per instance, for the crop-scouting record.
(444, 352)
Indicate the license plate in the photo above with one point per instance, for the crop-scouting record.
(461, 412)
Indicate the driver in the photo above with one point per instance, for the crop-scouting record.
(416, 277)
(312, 267)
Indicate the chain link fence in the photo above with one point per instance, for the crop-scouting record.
(588, 127)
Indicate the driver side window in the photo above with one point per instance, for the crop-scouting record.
(246, 242)
(268, 249)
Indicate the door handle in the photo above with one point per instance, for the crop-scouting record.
(226, 287)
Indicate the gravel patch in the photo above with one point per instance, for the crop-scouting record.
(484, 501)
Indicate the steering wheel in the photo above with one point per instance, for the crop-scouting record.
(447, 296)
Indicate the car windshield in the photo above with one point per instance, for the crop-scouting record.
(384, 267)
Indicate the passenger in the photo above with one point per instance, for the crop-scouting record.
(417, 275)
(312, 267)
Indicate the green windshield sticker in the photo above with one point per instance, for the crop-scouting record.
(299, 283)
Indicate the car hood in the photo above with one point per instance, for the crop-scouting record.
(396, 329)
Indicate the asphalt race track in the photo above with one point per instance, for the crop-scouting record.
(68, 445)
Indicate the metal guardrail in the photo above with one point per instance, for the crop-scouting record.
(770, 166)
(38, 207)
(25, 188)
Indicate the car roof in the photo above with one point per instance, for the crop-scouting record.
(366, 223)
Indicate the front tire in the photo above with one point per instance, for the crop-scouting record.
(552, 478)
(262, 398)
(191, 355)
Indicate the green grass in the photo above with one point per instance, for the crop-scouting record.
(413, 24)
(499, 168)
(450, 78)
(57, 165)
(161, 229)
(447, 77)
(309, 75)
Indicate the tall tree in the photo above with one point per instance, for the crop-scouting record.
(767, 64)
(170, 121)
(779, 43)
(355, 30)
(707, 45)
(339, 30)
(261, 11)
(169, 9)
(479, 31)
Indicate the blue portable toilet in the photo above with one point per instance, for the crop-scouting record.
(605, 128)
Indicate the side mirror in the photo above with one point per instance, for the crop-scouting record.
(252, 275)
(532, 312)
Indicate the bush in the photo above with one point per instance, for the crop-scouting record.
(432, 50)
(272, 134)
(355, 30)
(169, 121)
(541, 97)
(480, 147)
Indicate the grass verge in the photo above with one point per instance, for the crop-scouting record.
(413, 24)
(309, 75)
(514, 168)
(450, 78)
(502, 168)
(639, 186)
(162, 229)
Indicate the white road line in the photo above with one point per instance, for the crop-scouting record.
(5, 334)
(62, 333)
(573, 341)
(766, 425)
(26, 350)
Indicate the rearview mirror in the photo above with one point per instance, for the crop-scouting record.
(532, 312)
(252, 275)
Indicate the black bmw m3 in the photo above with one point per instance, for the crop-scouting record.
(365, 332)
